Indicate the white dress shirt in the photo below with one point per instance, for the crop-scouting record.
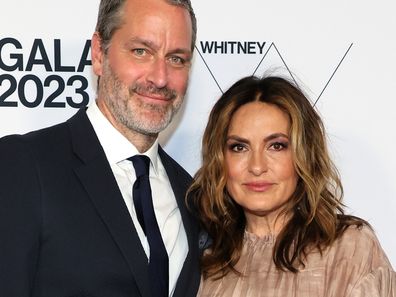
(118, 149)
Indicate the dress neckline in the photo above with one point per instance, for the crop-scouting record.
(253, 238)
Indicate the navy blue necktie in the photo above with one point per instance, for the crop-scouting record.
(142, 199)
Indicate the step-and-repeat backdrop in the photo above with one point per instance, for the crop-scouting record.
(342, 53)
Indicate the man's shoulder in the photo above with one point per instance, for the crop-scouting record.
(33, 137)
(171, 164)
(29, 137)
(37, 140)
(42, 134)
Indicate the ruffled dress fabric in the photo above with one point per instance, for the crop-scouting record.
(354, 266)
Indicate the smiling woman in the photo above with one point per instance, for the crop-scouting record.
(270, 198)
(260, 170)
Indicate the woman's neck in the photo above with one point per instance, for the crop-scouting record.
(265, 224)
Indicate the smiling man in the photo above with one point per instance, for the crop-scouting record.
(94, 206)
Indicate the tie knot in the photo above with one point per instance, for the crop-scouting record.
(141, 164)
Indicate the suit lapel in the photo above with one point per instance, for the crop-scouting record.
(188, 281)
(98, 180)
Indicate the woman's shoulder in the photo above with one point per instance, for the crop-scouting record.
(356, 259)
(360, 246)
(359, 251)
(358, 234)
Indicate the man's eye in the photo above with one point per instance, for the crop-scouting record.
(139, 51)
(177, 60)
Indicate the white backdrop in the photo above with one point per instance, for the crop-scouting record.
(343, 54)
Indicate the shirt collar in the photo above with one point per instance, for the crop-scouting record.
(116, 146)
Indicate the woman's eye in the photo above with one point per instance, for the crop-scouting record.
(278, 146)
(237, 147)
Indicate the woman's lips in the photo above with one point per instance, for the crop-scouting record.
(258, 186)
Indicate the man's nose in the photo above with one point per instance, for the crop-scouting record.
(158, 73)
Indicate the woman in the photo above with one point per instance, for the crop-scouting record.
(271, 200)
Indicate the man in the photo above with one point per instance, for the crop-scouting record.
(68, 222)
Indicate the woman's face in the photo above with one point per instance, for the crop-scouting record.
(261, 175)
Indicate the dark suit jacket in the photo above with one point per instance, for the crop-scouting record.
(65, 230)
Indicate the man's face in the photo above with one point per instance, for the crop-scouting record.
(144, 74)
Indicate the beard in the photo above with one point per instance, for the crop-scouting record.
(131, 112)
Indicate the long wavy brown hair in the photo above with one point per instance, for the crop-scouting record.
(315, 208)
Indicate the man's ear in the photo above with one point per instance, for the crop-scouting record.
(97, 54)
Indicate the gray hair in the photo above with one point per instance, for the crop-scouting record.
(110, 19)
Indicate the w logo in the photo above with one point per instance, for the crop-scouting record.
(228, 61)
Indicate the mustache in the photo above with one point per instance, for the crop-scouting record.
(165, 92)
